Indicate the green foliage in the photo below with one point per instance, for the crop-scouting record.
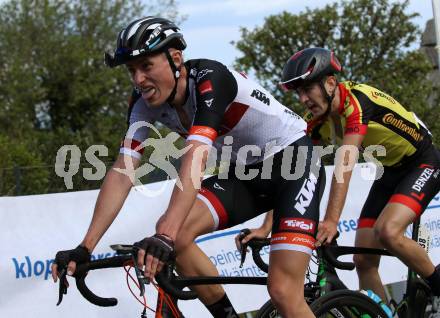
(55, 88)
(373, 39)
(17, 163)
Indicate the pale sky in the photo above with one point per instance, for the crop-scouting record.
(212, 25)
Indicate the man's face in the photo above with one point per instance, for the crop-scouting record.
(153, 76)
(312, 98)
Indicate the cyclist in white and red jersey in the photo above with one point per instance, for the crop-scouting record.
(271, 166)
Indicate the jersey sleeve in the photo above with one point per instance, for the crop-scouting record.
(216, 88)
(138, 121)
(356, 116)
(313, 128)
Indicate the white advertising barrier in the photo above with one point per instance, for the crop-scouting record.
(33, 228)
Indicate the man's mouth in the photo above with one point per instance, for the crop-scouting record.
(148, 92)
(312, 106)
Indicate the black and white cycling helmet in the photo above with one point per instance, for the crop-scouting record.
(308, 66)
(143, 37)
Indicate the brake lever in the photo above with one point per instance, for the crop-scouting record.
(243, 249)
(63, 286)
(139, 273)
(243, 252)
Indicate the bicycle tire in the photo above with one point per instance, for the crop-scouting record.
(336, 304)
(417, 308)
(346, 304)
(422, 298)
(268, 310)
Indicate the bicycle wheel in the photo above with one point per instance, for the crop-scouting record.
(418, 304)
(346, 304)
(336, 304)
(268, 310)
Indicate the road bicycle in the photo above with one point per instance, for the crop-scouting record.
(321, 293)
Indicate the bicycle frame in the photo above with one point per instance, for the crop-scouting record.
(414, 303)
(415, 299)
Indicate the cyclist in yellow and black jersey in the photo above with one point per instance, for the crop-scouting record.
(356, 116)
(377, 116)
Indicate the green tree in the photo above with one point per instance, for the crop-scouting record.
(373, 39)
(55, 88)
(17, 169)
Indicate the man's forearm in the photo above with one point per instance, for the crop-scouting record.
(190, 174)
(338, 194)
(112, 195)
(268, 221)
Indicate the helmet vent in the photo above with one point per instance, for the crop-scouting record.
(311, 65)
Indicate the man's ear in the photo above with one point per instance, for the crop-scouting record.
(177, 57)
(331, 83)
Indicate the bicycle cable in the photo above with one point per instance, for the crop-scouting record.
(160, 292)
(144, 303)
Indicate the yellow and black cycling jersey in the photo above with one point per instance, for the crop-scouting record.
(367, 111)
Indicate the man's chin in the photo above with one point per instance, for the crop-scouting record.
(153, 102)
(317, 114)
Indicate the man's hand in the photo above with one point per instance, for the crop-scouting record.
(67, 260)
(326, 232)
(254, 233)
(153, 252)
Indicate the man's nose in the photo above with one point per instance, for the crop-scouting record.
(138, 77)
(303, 98)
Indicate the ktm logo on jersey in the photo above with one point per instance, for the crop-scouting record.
(305, 195)
(260, 96)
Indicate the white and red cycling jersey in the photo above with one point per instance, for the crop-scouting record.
(228, 109)
(221, 103)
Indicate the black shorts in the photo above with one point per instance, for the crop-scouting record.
(295, 199)
(413, 184)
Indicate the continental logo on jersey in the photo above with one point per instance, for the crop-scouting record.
(377, 94)
(260, 96)
(399, 124)
(204, 131)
